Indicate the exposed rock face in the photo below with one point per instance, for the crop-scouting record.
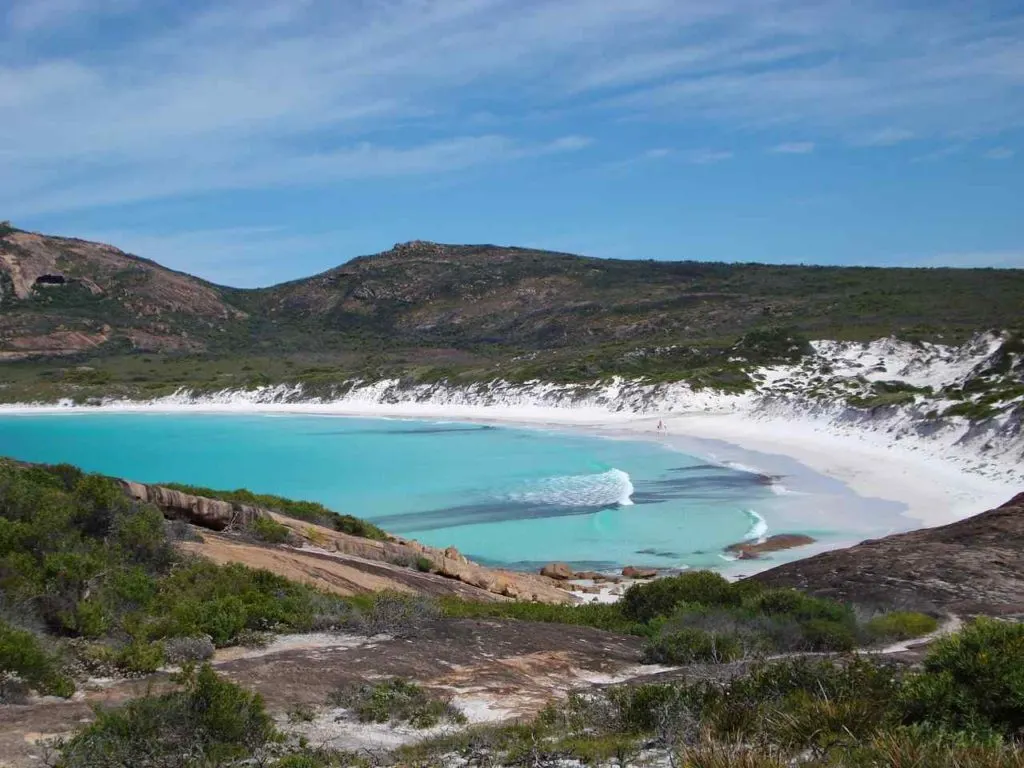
(974, 566)
(632, 572)
(209, 513)
(751, 550)
(220, 515)
(559, 571)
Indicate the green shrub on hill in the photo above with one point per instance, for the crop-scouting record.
(84, 562)
(397, 701)
(902, 625)
(25, 663)
(688, 646)
(644, 602)
(972, 681)
(211, 722)
(269, 530)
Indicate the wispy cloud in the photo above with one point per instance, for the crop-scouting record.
(794, 148)
(708, 156)
(31, 16)
(886, 137)
(1000, 153)
(256, 169)
(110, 101)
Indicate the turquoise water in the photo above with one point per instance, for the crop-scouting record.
(510, 496)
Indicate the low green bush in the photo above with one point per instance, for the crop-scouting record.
(200, 598)
(397, 701)
(599, 615)
(210, 722)
(901, 625)
(269, 530)
(690, 646)
(25, 662)
(929, 748)
(396, 614)
(829, 635)
(644, 602)
(972, 681)
(802, 607)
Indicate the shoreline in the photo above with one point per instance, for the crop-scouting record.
(931, 491)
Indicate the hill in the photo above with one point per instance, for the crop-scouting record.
(61, 296)
(429, 294)
(974, 566)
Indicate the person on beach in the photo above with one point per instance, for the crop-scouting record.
(661, 425)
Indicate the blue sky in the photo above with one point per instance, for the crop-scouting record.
(253, 141)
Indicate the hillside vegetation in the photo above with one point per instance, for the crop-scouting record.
(85, 319)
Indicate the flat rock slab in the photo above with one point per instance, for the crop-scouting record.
(971, 567)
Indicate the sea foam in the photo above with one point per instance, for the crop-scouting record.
(604, 489)
(758, 528)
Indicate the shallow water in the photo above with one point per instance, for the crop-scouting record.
(516, 497)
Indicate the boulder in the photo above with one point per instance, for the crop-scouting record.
(454, 554)
(560, 571)
(751, 550)
(214, 514)
(593, 576)
(633, 572)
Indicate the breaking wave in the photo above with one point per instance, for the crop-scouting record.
(611, 488)
(758, 528)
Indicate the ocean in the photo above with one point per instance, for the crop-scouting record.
(504, 496)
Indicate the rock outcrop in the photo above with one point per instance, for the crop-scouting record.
(208, 513)
(751, 550)
(217, 515)
(633, 572)
(974, 566)
(560, 571)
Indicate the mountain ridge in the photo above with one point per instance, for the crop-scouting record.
(472, 308)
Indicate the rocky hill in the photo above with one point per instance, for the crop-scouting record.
(60, 296)
(974, 566)
(428, 293)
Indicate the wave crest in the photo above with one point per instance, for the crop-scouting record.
(606, 489)
(758, 527)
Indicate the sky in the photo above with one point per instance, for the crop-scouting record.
(256, 141)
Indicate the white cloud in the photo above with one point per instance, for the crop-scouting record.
(885, 137)
(41, 15)
(256, 169)
(708, 156)
(1000, 153)
(657, 153)
(263, 92)
(794, 148)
